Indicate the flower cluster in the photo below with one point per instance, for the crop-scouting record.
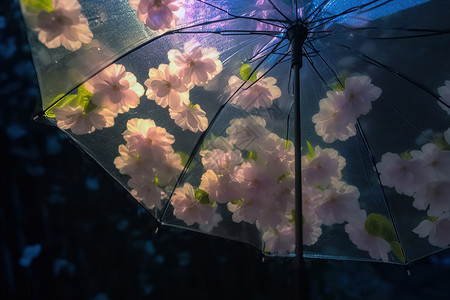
(338, 112)
(425, 176)
(329, 200)
(251, 173)
(169, 85)
(99, 101)
(159, 15)
(149, 159)
(61, 24)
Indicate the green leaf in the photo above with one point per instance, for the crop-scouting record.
(207, 142)
(84, 95)
(311, 153)
(62, 102)
(440, 142)
(89, 107)
(431, 218)
(253, 155)
(37, 5)
(292, 221)
(240, 201)
(378, 225)
(337, 86)
(202, 196)
(287, 144)
(155, 181)
(247, 73)
(405, 155)
(283, 177)
(397, 249)
(184, 157)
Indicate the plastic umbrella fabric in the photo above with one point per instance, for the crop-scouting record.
(191, 105)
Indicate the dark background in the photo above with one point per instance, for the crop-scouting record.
(68, 231)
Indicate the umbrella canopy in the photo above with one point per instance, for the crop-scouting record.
(189, 105)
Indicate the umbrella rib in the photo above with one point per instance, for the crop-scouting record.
(345, 12)
(374, 164)
(374, 62)
(327, 64)
(267, 21)
(366, 146)
(376, 6)
(253, 59)
(175, 31)
(203, 136)
(406, 36)
(235, 32)
(280, 12)
(316, 11)
(315, 69)
(388, 103)
(260, 51)
(264, 74)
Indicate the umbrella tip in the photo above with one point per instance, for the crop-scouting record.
(408, 271)
(157, 230)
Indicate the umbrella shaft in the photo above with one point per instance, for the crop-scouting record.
(298, 167)
(297, 36)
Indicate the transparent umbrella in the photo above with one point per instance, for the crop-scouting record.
(205, 111)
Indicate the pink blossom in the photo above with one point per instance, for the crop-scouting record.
(145, 191)
(360, 92)
(214, 222)
(311, 227)
(277, 153)
(335, 120)
(166, 88)
(168, 169)
(255, 180)
(444, 92)
(338, 204)
(245, 133)
(436, 229)
(222, 163)
(222, 143)
(81, 122)
(405, 175)
(259, 94)
(131, 163)
(436, 195)
(64, 26)
(285, 193)
(220, 188)
(115, 89)
(325, 166)
(210, 184)
(197, 65)
(310, 197)
(189, 116)
(159, 15)
(281, 240)
(189, 209)
(247, 209)
(146, 139)
(435, 163)
(377, 247)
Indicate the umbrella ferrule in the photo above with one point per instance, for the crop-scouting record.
(297, 35)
